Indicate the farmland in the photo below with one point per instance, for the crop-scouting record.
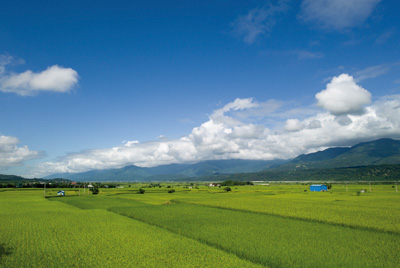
(278, 225)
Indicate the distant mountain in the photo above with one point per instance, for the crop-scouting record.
(129, 173)
(360, 173)
(13, 179)
(4, 177)
(213, 167)
(172, 171)
(378, 152)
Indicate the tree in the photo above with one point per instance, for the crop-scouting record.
(227, 189)
(141, 191)
(171, 191)
(95, 189)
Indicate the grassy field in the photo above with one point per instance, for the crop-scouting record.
(277, 225)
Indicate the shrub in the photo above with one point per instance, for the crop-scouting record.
(235, 183)
(141, 191)
(95, 190)
(171, 191)
(228, 189)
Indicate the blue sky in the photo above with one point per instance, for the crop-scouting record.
(93, 85)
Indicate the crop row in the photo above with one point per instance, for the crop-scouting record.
(367, 211)
(273, 241)
(35, 232)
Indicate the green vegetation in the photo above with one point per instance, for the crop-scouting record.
(236, 183)
(228, 189)
(269, 240)
(95, 189)
(275, 225)
(36, 232)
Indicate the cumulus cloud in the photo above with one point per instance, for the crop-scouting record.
(12, 155)
(338, 14)
(343, 96)
(293, 125)
(54, 79)
(258, 21)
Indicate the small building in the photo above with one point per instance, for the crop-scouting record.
(61, 193)
(318, 188)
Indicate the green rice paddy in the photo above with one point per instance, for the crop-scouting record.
(252, 226)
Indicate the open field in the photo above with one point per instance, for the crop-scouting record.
(278, 225)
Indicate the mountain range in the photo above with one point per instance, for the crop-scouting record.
(172, 171)
(378, 152)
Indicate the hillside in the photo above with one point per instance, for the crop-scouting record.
(378, 152)
(4, 177)
(171, 172)
(361, 173)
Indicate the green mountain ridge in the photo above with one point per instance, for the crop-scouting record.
(378, 152)
(361, 173)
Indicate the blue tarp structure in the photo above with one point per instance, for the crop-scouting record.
(318, 188)
(60, 193)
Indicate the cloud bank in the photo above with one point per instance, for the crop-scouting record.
(53, 79)
(12, 155)
(230, 132)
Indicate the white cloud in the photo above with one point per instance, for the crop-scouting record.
(236, 105)
(230, 133)
(4, 60)
(28, 83)
(343, 96)
(293, 125)
(258, 21)
(12, 155)
(337, 14)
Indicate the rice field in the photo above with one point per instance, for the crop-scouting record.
(259, 226)
(35, 232)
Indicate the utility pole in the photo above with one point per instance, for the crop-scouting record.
(44, 193)
(396, 187)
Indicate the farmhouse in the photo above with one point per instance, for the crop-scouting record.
(318, 188)
(61, 193)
